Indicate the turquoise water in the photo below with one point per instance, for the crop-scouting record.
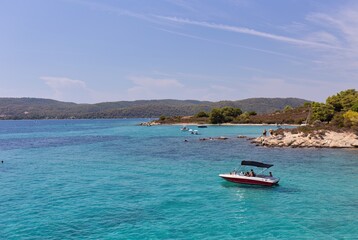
(111, 179)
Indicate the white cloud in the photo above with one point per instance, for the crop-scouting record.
(340, 28)
(58, 83)
(324, 38)
(67, 89)
(230, 44)
(249, 31)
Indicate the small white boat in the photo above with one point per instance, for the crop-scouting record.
(184, 128)
(195, 132)
(250, 177)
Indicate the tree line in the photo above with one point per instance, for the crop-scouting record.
(340, 110)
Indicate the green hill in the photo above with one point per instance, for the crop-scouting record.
(37, 108)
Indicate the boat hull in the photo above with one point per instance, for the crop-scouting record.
(250, 180)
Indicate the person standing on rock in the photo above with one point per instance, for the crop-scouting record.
(264, 133)
(271, 132)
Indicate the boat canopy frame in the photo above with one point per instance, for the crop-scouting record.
(256, 164)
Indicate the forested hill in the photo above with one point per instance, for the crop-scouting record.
(37, 108)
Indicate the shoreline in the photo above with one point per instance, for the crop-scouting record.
(316, 139)
(225, 124)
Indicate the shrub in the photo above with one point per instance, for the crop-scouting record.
(252, 113)
(202, 114)
(287, 108)
(338, 120)
(355, 107)
(351, 116)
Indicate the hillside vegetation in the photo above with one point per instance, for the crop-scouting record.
(339, 113)
(287, 115)
(35, 108)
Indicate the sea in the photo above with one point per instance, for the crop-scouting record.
(114, 179)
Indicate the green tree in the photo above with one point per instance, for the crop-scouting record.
(244, 118)
(344, 100)
(230, 113)
(202, 114)
(307, 104)
(355, 107)
(322, 112)
(216, 116)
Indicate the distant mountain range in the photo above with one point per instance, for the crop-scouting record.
(37, 108)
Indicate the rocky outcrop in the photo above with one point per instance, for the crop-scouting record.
(319, 139)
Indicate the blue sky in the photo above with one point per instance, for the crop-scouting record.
(89, 51)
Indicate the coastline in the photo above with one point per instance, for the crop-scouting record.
(316, 139)
(224, 124)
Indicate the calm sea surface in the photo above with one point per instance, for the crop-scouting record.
(111, 179)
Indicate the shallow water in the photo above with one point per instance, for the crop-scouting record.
(111, 179)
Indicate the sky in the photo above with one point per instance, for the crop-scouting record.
(89, 51)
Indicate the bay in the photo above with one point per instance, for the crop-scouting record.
(113, 179)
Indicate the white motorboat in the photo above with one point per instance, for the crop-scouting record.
(250, 177)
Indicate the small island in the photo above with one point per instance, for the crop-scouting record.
(333, 124)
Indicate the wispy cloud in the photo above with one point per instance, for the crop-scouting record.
(182, 4)
(57, 83)
(115, 10)
(338, 28)
(249, 31)
(231, 44)
(68, 89)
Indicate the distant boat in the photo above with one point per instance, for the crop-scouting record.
(195, 132)
(202, 126)
(249, 177)
(184, 128)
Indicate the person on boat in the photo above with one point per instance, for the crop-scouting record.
(252, 173)
(270, 174)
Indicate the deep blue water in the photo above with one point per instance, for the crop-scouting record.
(112, 179)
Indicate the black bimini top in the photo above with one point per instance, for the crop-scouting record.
(256, 164)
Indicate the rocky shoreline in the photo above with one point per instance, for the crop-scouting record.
(317, 139)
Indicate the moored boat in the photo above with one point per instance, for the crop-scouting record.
(184, 128)
(250, 177)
